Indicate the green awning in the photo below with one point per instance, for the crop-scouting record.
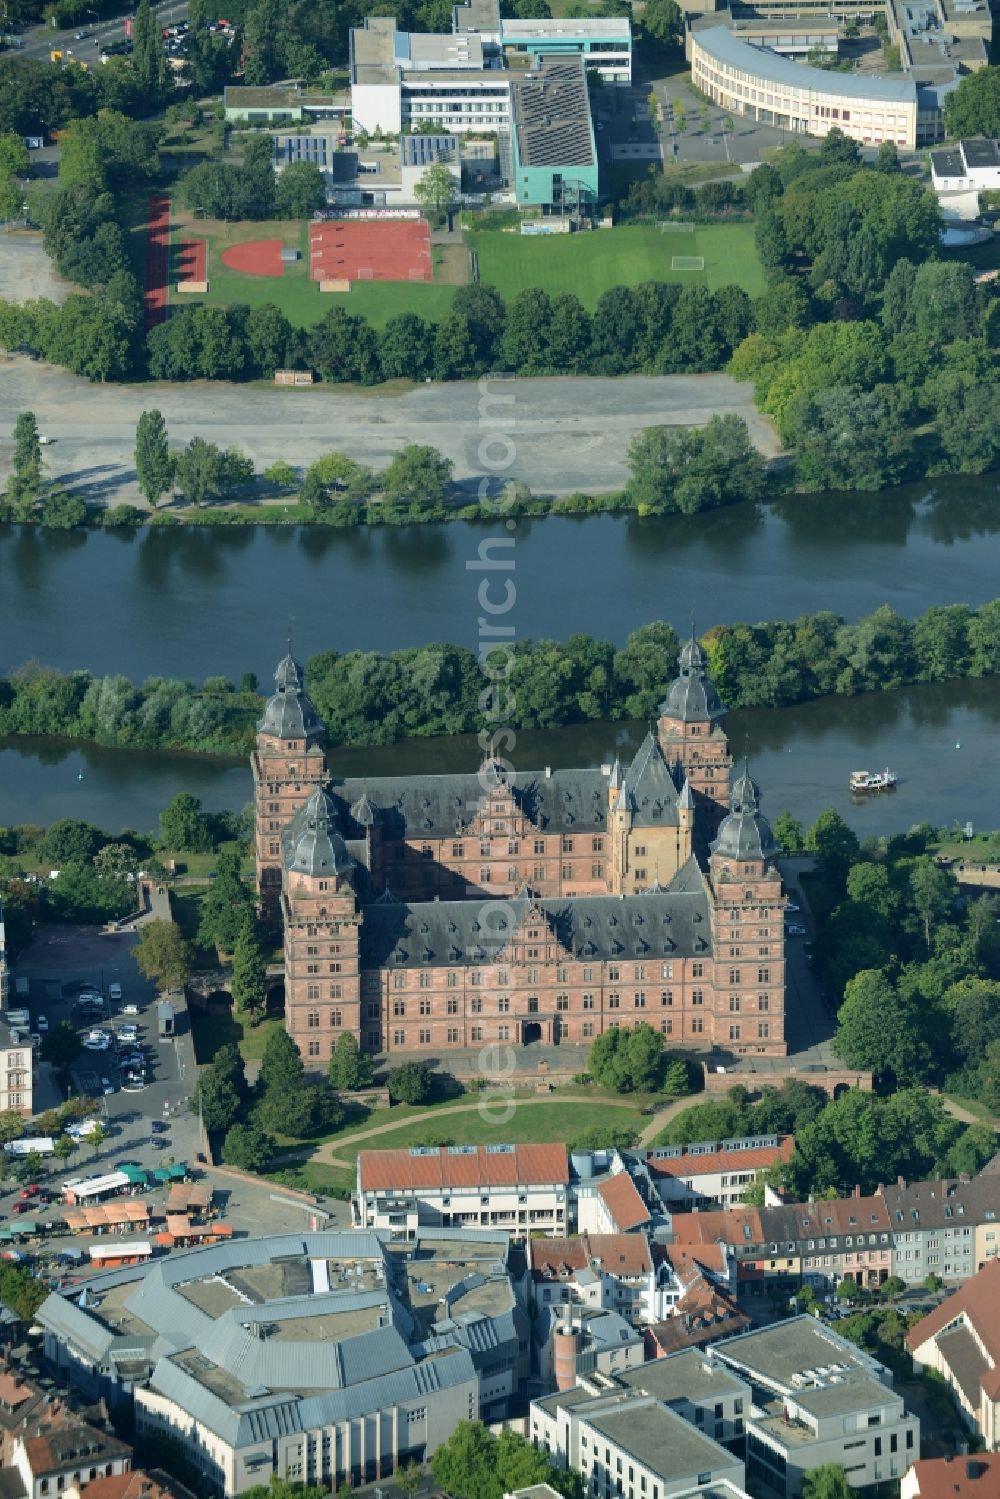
(161, 1174)
(178, 1171)
(135, 1175)
(29, 1226)
(7, 1236)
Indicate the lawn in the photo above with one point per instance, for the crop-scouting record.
(294, 292)
(214, 1028)
(588, 264)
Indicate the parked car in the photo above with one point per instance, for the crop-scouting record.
(793, 929)
(128, 1033)
(130, 1010)
(32, 1190)
(42, 1022)
(158, 1127)
(44, 439)
(159, 1144)
(23, 1207)
(107, 1087)
(114, 991)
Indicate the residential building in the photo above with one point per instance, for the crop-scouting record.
(137, 1483)
(609, 1271)
(818, 1399)
(970, 166)
(520, 1189)
(15, 1071)
(325, 1358)
(714, 1174)
(619, 1206)
(624, 1437)
(55, 1449)
(579, 1340)
(960, 1340)
(935, 1225)
(953, 1478)
(442, 912)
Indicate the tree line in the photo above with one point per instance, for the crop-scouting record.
(371, 697)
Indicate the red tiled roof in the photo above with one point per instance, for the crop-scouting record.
(522, 1165)
(619, 1254)
(958, 1477)
(727, 1224)
(722, 1160)
(136, 1484)
(622, 1200)
(12, 1391)
(978, 1300)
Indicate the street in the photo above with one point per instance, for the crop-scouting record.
(38, 41)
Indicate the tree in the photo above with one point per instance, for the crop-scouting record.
(835, 845)
(349, 1069)
(932, 1282)
(933, 891)
(679, 469)
(154, 464)
(883, 1030)
(96, 1138)
(973, 108)
(410, 1477)
(148, 59)
(183, 825)
(163, 955)
(248, 1148)
(663, 21)
(412, 1083)
(419, 477)
(227, 908)
(826, 1482)
(281, 1068)
(249, 981)
(217, 1099)
(63, 1147)
(15, 158)
(892, 1287)
(24, 484)
(436, 190)
(627, 1060)
(300, 190)
(60, 1045)
(788, 831)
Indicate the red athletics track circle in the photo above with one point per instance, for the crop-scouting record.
(258, 257)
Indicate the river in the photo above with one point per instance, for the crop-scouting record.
(192, 602)
(941, 741)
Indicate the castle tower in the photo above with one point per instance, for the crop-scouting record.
(690, 730)
(748, 929)
(288, 762)
(321, 924)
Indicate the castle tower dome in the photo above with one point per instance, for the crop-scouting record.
(691, 733)
(745, 836)
(289, 713)
(692, 696)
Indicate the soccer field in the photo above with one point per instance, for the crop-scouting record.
(588, 264)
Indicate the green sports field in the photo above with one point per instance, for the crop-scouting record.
(588, 264)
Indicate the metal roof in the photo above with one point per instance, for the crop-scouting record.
(758, 62)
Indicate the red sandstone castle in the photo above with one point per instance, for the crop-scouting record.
(441, 912)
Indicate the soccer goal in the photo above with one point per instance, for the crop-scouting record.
(687, 262)
(675, 226)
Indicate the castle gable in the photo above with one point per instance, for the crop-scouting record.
(649, 788)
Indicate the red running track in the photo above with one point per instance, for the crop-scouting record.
(157, 260)
(193, 262)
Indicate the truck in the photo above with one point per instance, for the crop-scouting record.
(165, 1017)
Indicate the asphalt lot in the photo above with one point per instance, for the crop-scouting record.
(559, 436)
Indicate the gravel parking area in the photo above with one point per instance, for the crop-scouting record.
(26, 271)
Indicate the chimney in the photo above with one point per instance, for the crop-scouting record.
(548, 772)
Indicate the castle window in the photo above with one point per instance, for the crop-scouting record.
(532, 975)
(477, 1033)
(588, 974)
(533, 1005)
(503, 1005)
(697, 1025)
(763, 975)
(614, 1001)
(562, 1001)
(336, 991)
(697, 996)
(272, 848)
(399, 1038)
(503, 1032)
(311, 931)
(311, 952)
(512, 873)
(567, 871)
(562, 974)
(538, 872)
(539, 846)
(640, 970)
(734, 1004)
(763, 1002)
(640, 1001)
(313, 1049)
(614, 973)
(640, 850)
(475, 1005)
(666, 996)
(312, 968)
(476, 978)
(734, 975)
(426, 851)
(640, 875)
(503, 978)
(453, 981)
(697, 970)
(484, 876)
(336, 1019)
(399, 1005)
(312, 1019)
(763, 1030)
(456, 850)
(597, 871)
(667, 1026)
(334, 967)
(452, 1035)
(373, 1012)
(399, 981)
(324, 885)
(453, 1007)
(512, 845)
(484, 849)
(425, 1007)
(533, 952)
(588, 1001)
(312, 991)
(567, 844)
(666, 970)
(734, 1033)
(588, 1028)
(597, 845)
(425, 981)
(424, 1038)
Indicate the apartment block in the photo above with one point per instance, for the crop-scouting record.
(520, 1188)
(714, 1173)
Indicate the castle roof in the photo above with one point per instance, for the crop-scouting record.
(289, 713)
(312, 844)
(691, 696)
(648, 788)
(745, 834)
(433, 934)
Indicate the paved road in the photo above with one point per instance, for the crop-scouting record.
(37, 41)
(563, 435)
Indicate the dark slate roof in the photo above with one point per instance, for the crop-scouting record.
(438, 806)
(745, 834)
(434, 934)
(691, 696)
(648, 788)
(311, 844)
(289, 714)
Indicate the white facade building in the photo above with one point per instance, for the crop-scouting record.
(15, 1072)
(521, 1189)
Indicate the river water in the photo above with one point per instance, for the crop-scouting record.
(193, 602)
(199, 602)
(941, 741)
